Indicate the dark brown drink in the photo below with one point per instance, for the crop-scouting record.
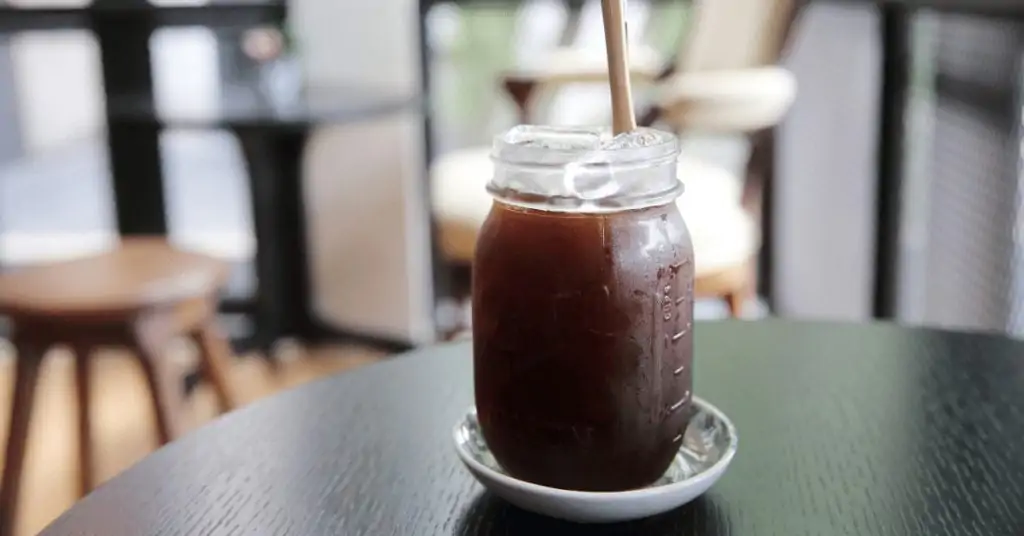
(582, 343)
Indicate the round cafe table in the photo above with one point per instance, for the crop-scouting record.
(844, 429)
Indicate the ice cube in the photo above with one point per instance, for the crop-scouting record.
(632, 140)
(562, 139)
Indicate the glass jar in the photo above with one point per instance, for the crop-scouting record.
(583, 308)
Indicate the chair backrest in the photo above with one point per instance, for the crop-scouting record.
(733, 34)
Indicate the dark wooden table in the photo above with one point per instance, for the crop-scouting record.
(844, 429)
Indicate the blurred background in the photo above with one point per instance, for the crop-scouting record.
(867, 155)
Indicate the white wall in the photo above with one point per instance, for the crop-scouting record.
(59, 87)
(59, 81)
(825, 189)
(372, 263)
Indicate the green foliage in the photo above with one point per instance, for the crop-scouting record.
(483, 50)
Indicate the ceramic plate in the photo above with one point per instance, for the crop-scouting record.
(709, 444)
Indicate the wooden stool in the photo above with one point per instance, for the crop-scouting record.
(139, 296)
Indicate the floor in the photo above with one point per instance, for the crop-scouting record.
(123, 424)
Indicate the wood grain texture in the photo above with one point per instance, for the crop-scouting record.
(844, 430)
(122, 416)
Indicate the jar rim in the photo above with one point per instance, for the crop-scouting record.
(584, 169)
(559, 146)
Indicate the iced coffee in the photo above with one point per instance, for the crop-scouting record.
(583, 308)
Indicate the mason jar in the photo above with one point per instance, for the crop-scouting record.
(583, 308)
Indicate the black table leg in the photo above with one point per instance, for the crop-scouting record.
(764, 151)
(137, 179)
(889, 193)
(284, 305)
(441, 270)
(134, 148)
(274, 159)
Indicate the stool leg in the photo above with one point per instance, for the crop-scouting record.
(27, 363)
(164, 393)
(735, 301)
(214, 356)
(82, 386)
(742, 293)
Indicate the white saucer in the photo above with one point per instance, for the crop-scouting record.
(709, 444)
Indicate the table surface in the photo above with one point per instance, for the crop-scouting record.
(236, 107)
(844, 429)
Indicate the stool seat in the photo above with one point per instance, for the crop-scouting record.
(142, 273)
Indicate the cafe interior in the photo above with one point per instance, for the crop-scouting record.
(314, 172)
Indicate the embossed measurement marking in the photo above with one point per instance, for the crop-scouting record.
(677, 265)
(679, 404)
